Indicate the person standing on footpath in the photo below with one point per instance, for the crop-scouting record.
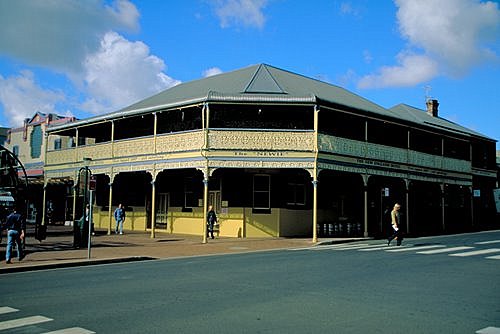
(120, 218)
(211, 220)
(15, 226)
(396, 225)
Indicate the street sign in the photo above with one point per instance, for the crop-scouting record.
(92, 183)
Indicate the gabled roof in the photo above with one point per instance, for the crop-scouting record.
(258, 83)
(421, 117)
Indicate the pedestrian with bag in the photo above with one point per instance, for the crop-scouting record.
(396, 226)
(211, 221)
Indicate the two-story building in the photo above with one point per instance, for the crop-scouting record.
(28, 144)
(277, 154)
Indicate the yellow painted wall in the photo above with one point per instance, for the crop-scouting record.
(134, 220)
(295, 222)
(234, 223)
(261, 225)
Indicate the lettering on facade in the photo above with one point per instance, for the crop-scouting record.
(261, 154)
(378, 163)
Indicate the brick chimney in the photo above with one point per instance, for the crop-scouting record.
(432, 107)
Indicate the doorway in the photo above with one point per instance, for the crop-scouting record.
(162, 210)
(214, 200)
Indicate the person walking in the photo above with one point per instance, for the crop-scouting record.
(211, 220)
(120, 218)
(396, 226)
(15, 226)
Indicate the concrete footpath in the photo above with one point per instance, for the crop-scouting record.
(57, 251)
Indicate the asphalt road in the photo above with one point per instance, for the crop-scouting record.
(361, 288)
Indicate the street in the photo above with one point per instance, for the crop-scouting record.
(443, 284)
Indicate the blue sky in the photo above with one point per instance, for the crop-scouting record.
(90, 57)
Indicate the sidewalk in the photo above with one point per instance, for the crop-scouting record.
(57, 251)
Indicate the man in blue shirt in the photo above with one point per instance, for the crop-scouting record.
(120, 218)
(15, 226)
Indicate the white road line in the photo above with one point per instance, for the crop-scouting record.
(336, 246)
(321, 247)
(494, 257)
(445, 250)
(416, 248)
(9, 324)
(488, 242)
(489, 330)
(357, 247)
(478, 252)
(378, 247)
(6, 309)
(73, 330)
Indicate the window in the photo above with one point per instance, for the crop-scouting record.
(57, 144)
(190, 200)
(36, 141)
(82, 141)
(262, 192)
(296, 193)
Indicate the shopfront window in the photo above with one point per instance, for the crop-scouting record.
(262, 192)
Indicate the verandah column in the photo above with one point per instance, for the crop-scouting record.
(153, 207)
(315, 174)
(315, 209)
(365, 204)
(110, 204)
(44, 205)
(443, 207)
(407, 198)
(205, 207)
(205, 115)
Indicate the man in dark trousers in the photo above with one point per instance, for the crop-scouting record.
(15, 227)
(211, 221)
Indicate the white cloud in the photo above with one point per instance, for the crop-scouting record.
(445, 37)
(58, 34)
(21, 97)
(122, 72)
(346, 8)
(456, 32)
(79, 40)
(412, 70)
(211, 71)
(240, 12)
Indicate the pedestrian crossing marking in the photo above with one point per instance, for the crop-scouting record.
(378, 247)
(6, 309)
(423, 249)
(445, 250)
(488, 242)
(33, 320)
(414, 248)
(489, 330)
(338, 246)
(478, 252)
(355, 247)
(73, 330)
(37, 319)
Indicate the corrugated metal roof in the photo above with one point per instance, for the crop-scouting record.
(267, 84)
(421, 117)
